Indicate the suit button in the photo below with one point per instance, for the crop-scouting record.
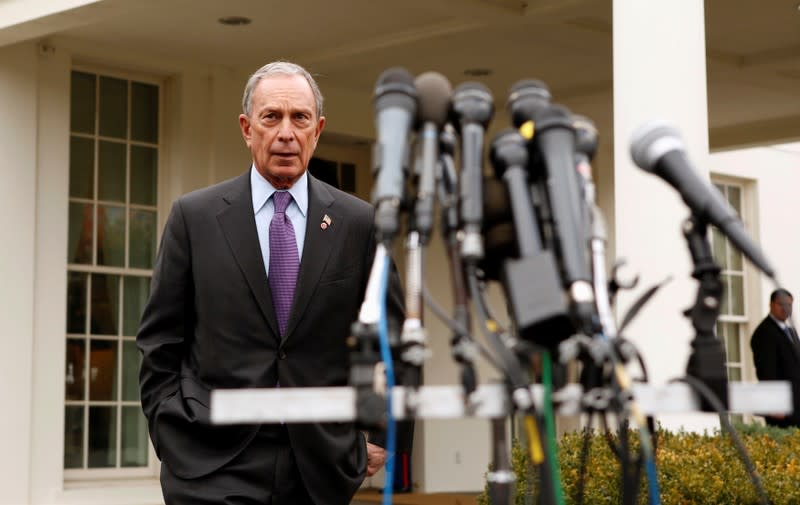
(281, 354)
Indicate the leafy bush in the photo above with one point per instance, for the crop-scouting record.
(692, 468)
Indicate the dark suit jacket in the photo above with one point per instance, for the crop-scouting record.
(210, 324)
(777, 359)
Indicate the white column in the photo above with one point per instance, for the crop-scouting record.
(50, 286)
(659, 72)
(17, 227)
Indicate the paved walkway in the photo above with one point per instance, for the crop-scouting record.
(371, 497)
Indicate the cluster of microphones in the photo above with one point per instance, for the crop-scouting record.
(530, 222)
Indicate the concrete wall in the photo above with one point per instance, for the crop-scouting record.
(18, 200)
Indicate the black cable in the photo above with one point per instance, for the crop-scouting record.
(715, 402)
(458, 328)
(512, 370)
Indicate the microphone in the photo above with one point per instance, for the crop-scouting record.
(395, 108)
(472, 109)
(525, 99)
(433, 92)
(657, 147)
(538, 307)
(554, 140)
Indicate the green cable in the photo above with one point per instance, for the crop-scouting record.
(550, 428)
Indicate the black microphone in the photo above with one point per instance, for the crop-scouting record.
(434, 92)
(472, 109)
(525, 99)
(657, 147)
(530, 280)
(554, 140)
(395, 108)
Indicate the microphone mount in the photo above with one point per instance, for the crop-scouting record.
(707, 361)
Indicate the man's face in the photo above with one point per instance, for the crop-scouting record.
(282, 128)
(781, 308)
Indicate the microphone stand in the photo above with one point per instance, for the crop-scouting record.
(462, 348)
(707, 361)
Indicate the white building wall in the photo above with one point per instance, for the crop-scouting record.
(18, 115)
(771, 176)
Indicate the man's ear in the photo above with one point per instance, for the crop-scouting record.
(320, 127)
(244, 125)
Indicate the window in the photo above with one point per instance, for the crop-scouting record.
(339, 175)
(111, 248)
(732, 322)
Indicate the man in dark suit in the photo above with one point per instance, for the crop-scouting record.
(257, 282)
(776, 352)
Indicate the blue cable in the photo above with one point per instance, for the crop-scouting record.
(386, 355)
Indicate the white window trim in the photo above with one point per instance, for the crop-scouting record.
(79, 481)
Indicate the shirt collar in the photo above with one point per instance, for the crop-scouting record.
(262, 190)
(782, 324)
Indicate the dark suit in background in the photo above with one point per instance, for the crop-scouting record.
(776, 356)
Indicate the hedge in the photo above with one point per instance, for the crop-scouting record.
(692, 468)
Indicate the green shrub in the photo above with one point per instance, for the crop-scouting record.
(693, 468)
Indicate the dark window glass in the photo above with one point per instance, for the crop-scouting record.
(105, 304)
(82, 102)
(102, 437)
(113, 107)
(144, 112)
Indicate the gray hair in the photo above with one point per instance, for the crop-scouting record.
(279, 68)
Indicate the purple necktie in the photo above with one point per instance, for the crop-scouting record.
(284, 262)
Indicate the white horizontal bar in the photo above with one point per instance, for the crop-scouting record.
(229, 406)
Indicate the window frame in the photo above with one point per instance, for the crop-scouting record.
(742, 322)
(118, 475)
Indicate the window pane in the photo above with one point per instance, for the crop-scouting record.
(103, 370)
(81, 167)
(144, 112)
(736, 283)
(137, 291)
(110, 235)
(111, 171)
(726, 295)
(143, 239)
(102, 437)
(144, 167)
(74, 383)
(735, 198)
(76, 302)
(720, 248)
(113, 107)
(73, 436)
(134, 437)
(736, 260)
(348, 177)
(82, 102)
(105, 304)
(131, 360)
(735, 374)
(732, 344)
(79, 244)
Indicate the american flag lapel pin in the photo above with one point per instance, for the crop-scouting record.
(326, 222)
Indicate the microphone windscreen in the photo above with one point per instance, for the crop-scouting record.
(395, 80)
(433, 95)
(526, 98)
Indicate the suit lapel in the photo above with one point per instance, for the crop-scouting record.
(316, 249)
(239, 226)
